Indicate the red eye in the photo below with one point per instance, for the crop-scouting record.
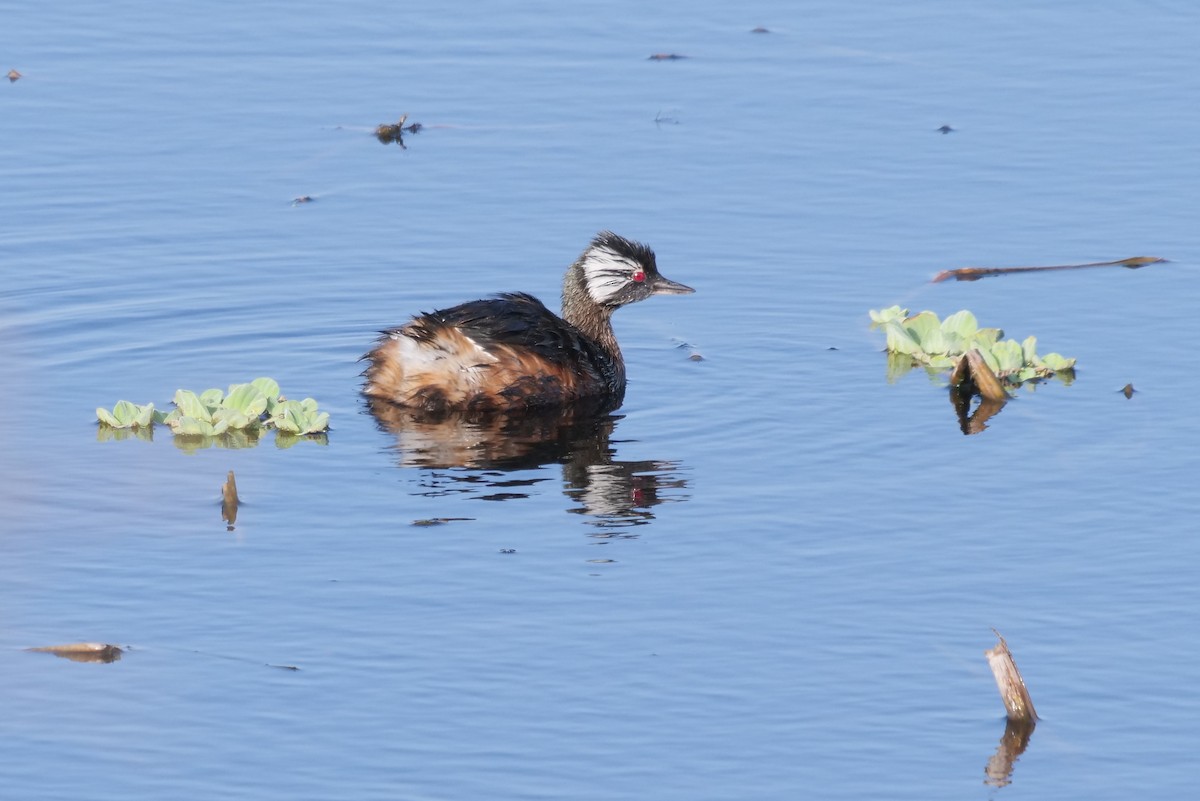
(639, 276)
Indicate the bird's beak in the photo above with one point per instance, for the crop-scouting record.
(665, 286)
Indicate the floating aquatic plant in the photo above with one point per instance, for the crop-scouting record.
(236, 416)
(299, 417)
(922, 340)
(127, 415)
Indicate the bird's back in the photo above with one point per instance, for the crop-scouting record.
(504, 353)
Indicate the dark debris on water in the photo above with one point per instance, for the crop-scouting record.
(387, 133)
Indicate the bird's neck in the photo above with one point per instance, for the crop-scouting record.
(592, 319)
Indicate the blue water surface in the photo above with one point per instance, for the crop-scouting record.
(772, 574)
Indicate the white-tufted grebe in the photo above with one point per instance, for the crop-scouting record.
(510, 352)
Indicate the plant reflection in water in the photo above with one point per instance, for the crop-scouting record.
(481, 456)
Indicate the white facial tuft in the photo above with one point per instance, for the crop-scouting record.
(605, 271)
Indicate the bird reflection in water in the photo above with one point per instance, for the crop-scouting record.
(480, 455)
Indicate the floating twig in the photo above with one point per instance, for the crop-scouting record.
(1013, 692)
(82, 651)
(975, 273)
(666, 57)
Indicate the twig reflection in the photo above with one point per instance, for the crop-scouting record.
(973, 422)
(999, 768)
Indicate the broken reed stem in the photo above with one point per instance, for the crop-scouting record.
(1013, 692)
(973, 376)
(229, 501)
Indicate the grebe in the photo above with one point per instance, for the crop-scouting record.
(510, 352)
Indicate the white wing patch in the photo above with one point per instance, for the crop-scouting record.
(605, 272)
(422, 357)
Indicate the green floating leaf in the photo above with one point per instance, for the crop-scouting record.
(300, 417)
(1009, 356)
(269, 387)
(934, 342)
(192, 427)
(1029, 351)
(270, 390)
(232, 418)
(986, 337)
(145, 416)
(288, 417)
(962, 324)
(211, 398)
(920, 326)
(187, 426)
(887, 315)
(942, 363)
(190, 405)
(899, 340)
(1056, 362)
(246, 399)
(126, 413)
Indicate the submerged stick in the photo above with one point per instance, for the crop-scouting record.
(975, 273)
(1013, 692)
